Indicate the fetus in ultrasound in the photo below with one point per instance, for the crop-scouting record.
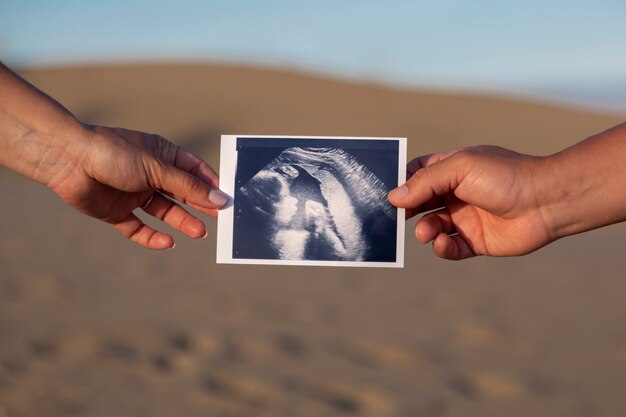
(319, 204)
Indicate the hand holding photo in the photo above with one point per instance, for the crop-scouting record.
(311, 201)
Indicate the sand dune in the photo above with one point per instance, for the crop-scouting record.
(93, 326)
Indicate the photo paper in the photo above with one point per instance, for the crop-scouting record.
(311, 201)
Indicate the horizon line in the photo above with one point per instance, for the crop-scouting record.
(425, 86)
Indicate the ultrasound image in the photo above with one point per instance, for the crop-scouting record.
(306, 202)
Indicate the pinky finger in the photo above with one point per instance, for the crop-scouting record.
(137, 231)
(452, 247)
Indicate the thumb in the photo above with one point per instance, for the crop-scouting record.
(429, 182)
(185, 187)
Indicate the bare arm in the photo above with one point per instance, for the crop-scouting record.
(492, 201)
(106, 173)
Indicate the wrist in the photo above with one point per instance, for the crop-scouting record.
(44, 154)
(64, 149)
(582, 187)
(37, 134)
(556, 191)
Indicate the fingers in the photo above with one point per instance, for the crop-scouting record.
(187, 188)
(186, 177)
(174, 215)
(169, 212)
(192, 164)
(452, 247)
(431, 177)
(135, 230)
(184, 160)
(432, 204)
(441, 174)
(438, 227)
(413, 167)
(426, 160)
(433, 224)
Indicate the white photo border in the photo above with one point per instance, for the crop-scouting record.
(225, 220)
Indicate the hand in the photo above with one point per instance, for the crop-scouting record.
(484, 201)
(105, 173)
(108, 173)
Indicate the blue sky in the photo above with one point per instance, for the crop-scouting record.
(572, 50)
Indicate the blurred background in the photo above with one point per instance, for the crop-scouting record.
(92, 325)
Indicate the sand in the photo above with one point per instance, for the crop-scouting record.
(92, 325)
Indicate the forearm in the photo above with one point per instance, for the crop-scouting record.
(36, 132)
(584, 186)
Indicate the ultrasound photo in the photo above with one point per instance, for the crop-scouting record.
(315, 200)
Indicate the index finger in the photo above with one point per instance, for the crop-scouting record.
(419, 163)
(196, 166)
(426, 160)
(429, 183)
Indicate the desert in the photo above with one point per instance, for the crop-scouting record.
(92, 325)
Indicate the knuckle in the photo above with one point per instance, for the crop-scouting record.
(156, 171)
(136, 234)
(419, 175)
(192, 183)
(167, 211)
(466, 155)
(427, 174)
(164, 149)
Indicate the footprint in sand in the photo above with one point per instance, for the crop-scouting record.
(371, 354)
(487, 385)
(182, 351)
(241, 390)
(291, 345)
(343, 398)
(119, 350)
(182, 342)
(43, 348)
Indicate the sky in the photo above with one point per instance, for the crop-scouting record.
(572, 51)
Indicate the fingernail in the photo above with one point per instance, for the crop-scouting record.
(417, 232)
(400, 192)
(218, 198)
(204, 235)
(173, 246)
